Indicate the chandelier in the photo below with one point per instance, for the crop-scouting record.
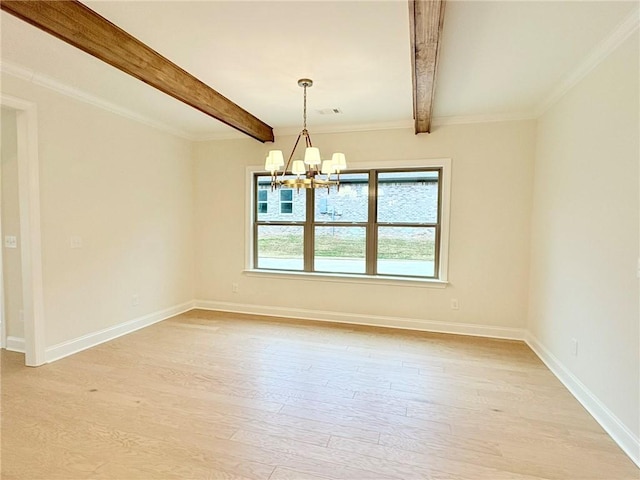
(312, 172)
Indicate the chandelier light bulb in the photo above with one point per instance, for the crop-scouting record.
(339, 161)
(327, 167)
(277, 158)
(298, 168)
(312, 156)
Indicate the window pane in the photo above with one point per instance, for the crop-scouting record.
(295, 210)
(408, 197)
(349, 204)
(406, 251)
(280, 247)
(340, 249)
(262, 207)
(286, 195)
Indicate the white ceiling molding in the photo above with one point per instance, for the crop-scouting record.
(628, 26)
(371, 127)
(212, 137)
(498, 117)
(365, 127)
(320, 129)
(85, 97)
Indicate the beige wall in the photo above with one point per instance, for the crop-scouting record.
(127, 190)
(489, 237)
(585, 233)
(11, 262)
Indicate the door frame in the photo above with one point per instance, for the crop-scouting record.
(30, 229)
(3, 323)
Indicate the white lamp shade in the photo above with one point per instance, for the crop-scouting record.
(339, 161)
(277, 158)
(268, 164)
(298, 167)
(327, 167)
(312, 156)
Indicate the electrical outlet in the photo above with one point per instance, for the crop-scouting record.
(75, 241)
(454, 304)
(10, 241)
(234, 287)
(574, 347)
(135, 300)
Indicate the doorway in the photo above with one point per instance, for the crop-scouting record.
(28, 237)
(10, 261)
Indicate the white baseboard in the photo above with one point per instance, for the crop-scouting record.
(15, 344)
(624, 437)
(368, 320)
(64, 349)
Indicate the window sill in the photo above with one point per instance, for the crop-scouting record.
(347, 278)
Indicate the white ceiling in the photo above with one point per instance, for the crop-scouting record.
(496, 59)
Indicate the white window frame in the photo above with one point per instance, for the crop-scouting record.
(443, 267)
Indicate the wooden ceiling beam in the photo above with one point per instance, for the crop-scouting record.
(78, 25)
(426, 18)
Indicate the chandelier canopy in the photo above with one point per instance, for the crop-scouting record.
(312, 172)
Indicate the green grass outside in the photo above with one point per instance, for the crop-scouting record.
(288, 246)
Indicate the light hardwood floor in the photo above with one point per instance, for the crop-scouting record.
(209, 395)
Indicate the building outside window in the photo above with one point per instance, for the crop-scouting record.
(286, 201)
(381, 222)
(263, 205)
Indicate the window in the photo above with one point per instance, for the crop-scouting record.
(286, 201)
(381, 222)
(263, 205)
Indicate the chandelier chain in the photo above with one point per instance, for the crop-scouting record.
(304, 111)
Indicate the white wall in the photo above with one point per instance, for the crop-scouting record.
(127, 190)
(490, 211)
(11, 261)
(585, 234)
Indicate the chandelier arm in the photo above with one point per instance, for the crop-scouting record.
(284, 172)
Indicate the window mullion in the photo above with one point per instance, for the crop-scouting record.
(309, 230)
(372, 233)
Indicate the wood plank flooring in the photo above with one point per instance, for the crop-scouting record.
(211, 395)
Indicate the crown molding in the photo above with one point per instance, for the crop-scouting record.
(50, 83)
(483, 118)
(320, 129)
(358, 127)
(212, 137)
(619, 34)
(370, 127)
